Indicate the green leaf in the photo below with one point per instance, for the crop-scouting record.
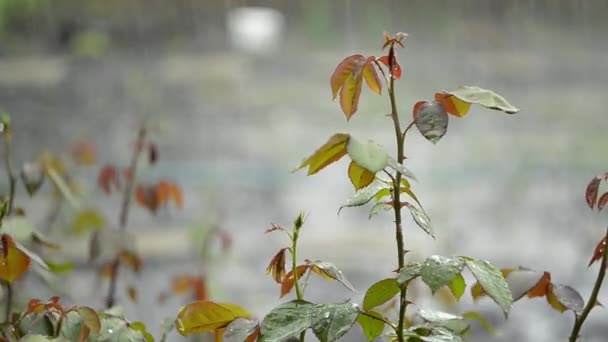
(442, 335)
(205, 316)
(239, 330)
(286, 320)
(368, 155)
(438, 271)
(409, 272)
(380, 292)
(476, 316)
(60, 267)
(87, 220)
(332, 321)
(334, 149)
(141, 327)
(449, 321)
(491, 281)
(364, 195)
(371, 327)
(20, 228)
(484, 97)
(329, 271)
(379, 207)
(457, 286)
(422, 220)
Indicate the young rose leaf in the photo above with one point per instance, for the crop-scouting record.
(276, 267)
(370, 75)
(568, 297)
(364, 195)
(396, 72)
(347, 80)
(431, 119)
(168, 191)
(457, 286)
(395, 165)
(131, 259)
(288, 280)
(476, 316)
(379, 207)
(372, 328)
(421, 219)
(542, 287)
(359, 176)
(329, 271)
(484, 97)
(332, 321)
(205, 316)
(13, 261)
(438, 271)
(90, 318)
(368, 155)
(492, 282)
(602, 201)
(598, 253)
(342, 71)
(331, 151)
(592, 190)
(141, 327)
(108, 178)
(453, 104)
(32, 176)
(286, 320)
(274, 227)
(380, 293)
(146, 196)
(240, 330)
(409, 272)
(350, 93)
(88, 220)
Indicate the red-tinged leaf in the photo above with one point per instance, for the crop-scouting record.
(274, 227)
(84, 333)
(598, 252)
(146, 197)
(345, 68)
(349, 95)
(108, 178)
(35, 306)
(602, 201)
(206, 316)
(331, 151)
(276, 267)
(84, 153)
(370, 75)
(592, 190)
(90, 319)
(13, 262)
(254, 335)
(453, 104)
(398, 39)
(359, 177)
(132, 260)
(396, 72)
(167, 191)
(542, 287)
(132, 293)
(288, 280)
(152, 153)
(188, 284)
(200, 289)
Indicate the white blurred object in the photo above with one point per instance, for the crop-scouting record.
(255, 30)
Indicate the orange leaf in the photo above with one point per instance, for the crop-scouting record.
(598, 253)
(396, 72)
(132, 260)
(542, 287)
(349, 95)
(132, 293)
(359, 176)
(13, 262)
(342, 71)
(84, 153)
(452, 104)
(207, 316)
(146, 196)
(194, 284)
(166, 190)
(331, 151)
(108, 177)
(288, 280)
(276, 267)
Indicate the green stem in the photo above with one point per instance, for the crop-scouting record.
(397, 196)
(294, 266)
(11, 201)
(9, 301)
(124, 212)
(580, 319)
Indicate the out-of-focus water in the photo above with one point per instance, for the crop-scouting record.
(507, 188)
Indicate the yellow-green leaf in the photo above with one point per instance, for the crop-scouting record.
(13, 261)
(349, 95)
(359, 176)
(371, 77)
(206, 316)
(87, 220)
(331, 151)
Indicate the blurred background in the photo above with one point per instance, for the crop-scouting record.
(238, 92)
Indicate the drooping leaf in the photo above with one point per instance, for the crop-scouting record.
(370, 75)
(359, 177)
(601, 203)
(484, 97)
(32, 176)
(276, 267)
(88, 220)
(331, 151)
(329, 271)
(553, 301)
(422, 220)
(592, 190)
(396, 72)
(492, 282)
(380, 293)
(453, 104)
(343, 70)
(409, 272)
(367, 155)
(204, 316)
(90, 318)
(146, 196)
(372, 328)
(569, 297)
(431, 119)
(476, 316)
(13, 261)
(332, 321)
(598, 252)
(364, 195)
(438, 271)
(288, 280)
(350, 93)
(169, 191)
(457, 286)
(347, 80)
(108, 178)
(286, 320)
(379, 207)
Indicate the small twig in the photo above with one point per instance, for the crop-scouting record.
(11, 201)
(9, 301)
(124, 212)
(580, 319)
